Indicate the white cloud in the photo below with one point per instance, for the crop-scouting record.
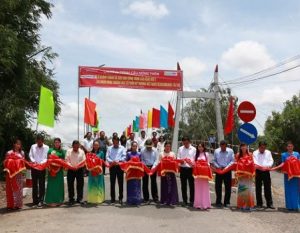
(247, 57)
(270, 96)
(193, 69)
(147, 9)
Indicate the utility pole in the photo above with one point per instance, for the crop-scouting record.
(220, 132)
(197, 94)
(176, 127)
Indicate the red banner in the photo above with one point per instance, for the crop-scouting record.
(149, 79)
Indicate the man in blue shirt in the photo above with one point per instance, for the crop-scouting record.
(223, 157)
(149, 156)
(115, 154)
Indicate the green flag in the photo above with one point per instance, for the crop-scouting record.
(96, 127)
(135, 129)
(46, 108)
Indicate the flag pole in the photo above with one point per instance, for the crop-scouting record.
(78, 104)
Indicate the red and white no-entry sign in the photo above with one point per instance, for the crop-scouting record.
(246, 111)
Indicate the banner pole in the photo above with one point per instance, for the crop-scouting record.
(78, 104)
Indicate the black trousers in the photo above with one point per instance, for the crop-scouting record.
(71, 176)
(186, 175)
(116, 173)
(154, 192)
(263, 178)
(226, 178)
(38, 185)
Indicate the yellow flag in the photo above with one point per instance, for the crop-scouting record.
(149, 119)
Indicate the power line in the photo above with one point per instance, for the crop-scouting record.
(266, 76)
(289, 60)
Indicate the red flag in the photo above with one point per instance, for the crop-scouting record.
(90, 115)
(171, 121)
(155, 118)
(129, 130)
(230, 118)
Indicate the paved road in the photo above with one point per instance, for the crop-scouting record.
(152, 218)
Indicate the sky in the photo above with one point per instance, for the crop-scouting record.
(242, 37)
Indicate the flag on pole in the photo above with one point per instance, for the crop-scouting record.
(134, 124)
(129, 130)
(137, 123)
(46, 108)
(96, 127)
(155, 118)
(149, 125)
(143, 121)
(171, 121)
(230, 118)
(90, 114)
(163, 119)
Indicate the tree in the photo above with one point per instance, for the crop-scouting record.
(23, 69)
(199, 120)
(284, 126)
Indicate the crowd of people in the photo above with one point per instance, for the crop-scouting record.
(151, 151)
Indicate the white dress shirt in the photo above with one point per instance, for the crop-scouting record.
(128, 144)
(38, 154)
(141, 142)
(88, 144)
(263, 159)
(189, 153)
(74, 158)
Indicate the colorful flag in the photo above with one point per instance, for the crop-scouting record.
(143, 121)
(230, 118)
(137, 123)
(171, 121)
(129, 130)
(155, 118)
(46, 108)
(134, 124)
(149, 125)
(96, 127)
(90, 114)
(163, 119)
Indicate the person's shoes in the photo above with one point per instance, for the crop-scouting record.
(147, 202)
(271, 207)
(120, 202)
(40, 205)
(112, 202)
(71, 202)
(184, 204)
(218, 205)
(259, 207)
(191, 204)
(155, 200)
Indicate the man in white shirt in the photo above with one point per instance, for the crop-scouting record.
(263, 158)
(130, 140)
(88, 142)
(141, 140)
(74, 156)
(38, 154)
(187, 151)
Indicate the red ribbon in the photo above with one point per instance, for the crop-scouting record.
(167, 164)
(134, 168)
(94, 164)
(201, 169)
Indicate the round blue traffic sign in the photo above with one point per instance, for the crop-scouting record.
(247, 133)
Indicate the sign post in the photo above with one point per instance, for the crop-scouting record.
(247, 132)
